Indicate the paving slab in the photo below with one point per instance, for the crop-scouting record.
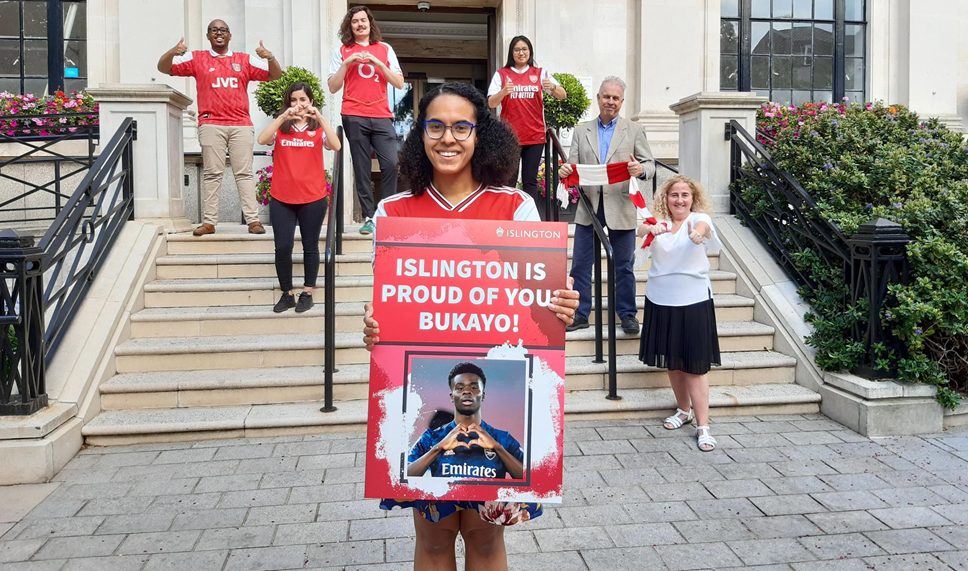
(781, 493)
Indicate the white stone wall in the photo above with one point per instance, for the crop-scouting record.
(917, 49)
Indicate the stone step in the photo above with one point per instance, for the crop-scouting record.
(230, 320)
(180, 389)
(259, 350)
(235, 239)
(191, 424)
(739, 368)
(251, 266)
(733, 336)
(265, 291)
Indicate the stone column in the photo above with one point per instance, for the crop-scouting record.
(159, 148)
(703, 148)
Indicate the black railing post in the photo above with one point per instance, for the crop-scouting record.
(549, 188)
(334, 234)
(878, 259)
(556, 208)
(22, 345)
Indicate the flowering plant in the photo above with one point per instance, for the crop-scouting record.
(263, 183)
(542, 186)
(860, 161)
(39, 110)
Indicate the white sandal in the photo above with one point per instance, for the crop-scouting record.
(705, 439)
(676, 421)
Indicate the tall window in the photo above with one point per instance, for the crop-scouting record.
(794, 51)
(37, 56)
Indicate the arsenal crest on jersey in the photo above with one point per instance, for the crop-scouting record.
(311, 133)
(237, 67)
(533, 78)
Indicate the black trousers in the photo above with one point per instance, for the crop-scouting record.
(367, 135)
(531, 156)
(310, 217)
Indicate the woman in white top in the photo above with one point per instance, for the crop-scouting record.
(517, 90)
(679, 332)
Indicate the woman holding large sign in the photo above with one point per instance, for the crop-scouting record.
(457, 165)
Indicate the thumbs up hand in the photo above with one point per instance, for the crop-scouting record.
(180, 48)
(694, 235)
(262, 52)
(635, 167)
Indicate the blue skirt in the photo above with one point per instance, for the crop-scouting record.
(498, 513)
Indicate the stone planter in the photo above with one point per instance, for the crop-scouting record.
(881, 408)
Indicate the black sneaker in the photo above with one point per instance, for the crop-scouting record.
(305, 302)
(287, 301)
(630, 325)
(579, 323)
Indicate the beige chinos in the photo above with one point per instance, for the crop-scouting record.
(238, 140)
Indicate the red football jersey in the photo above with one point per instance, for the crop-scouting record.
(486, 203)
(364, 85)
(523, 108)
(298, 174)
(222, 83)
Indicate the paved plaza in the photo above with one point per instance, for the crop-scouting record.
(781, 493)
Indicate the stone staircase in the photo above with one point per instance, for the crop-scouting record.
(207, 358)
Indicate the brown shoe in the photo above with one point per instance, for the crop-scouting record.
(256, 228)
(204, 229)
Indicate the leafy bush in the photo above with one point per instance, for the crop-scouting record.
(268, 96)
(55, 104)
(860, 162)
(565, 113)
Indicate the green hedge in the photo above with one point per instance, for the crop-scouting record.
(862, 161)
(268, 96)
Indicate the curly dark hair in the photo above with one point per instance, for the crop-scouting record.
(496, 155)
(466, 367)
(346, 32)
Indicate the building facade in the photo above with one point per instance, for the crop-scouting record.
(913, 52)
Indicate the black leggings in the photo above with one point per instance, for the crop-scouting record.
(530, 159)
(309, 216)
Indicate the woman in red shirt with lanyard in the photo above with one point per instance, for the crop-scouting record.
(362, 67)
(517, 90)
(298, 190)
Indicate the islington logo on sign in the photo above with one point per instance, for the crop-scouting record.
(467, 382)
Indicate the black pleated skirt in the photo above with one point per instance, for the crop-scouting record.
(680, 338)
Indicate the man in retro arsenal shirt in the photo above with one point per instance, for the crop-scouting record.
(468, 447)
(362, 67)
(222, 78)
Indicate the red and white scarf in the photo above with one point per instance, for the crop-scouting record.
(600, 175)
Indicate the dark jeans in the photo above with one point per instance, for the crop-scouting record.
(310, 217)
(623, 246)
(531, 156)
(366, 135)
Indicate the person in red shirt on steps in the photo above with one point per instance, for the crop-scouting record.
(362, 67)
(298, 189)
(517, 91)
(222, 77)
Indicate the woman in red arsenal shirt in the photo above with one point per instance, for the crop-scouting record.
(517, 89)
(299, 194)
(457, 159)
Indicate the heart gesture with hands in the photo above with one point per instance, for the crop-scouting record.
(466, 437)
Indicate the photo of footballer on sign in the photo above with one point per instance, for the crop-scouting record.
(467, 381)
(467, 446)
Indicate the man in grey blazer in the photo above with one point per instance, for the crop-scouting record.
(609, 139)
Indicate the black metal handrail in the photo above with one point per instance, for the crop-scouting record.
(50, 281)
(788, 221)
(601, 240)
(334, 232)
(41, 149)
(655, 179)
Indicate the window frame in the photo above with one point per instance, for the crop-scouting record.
(56, 44)
(744, 55)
